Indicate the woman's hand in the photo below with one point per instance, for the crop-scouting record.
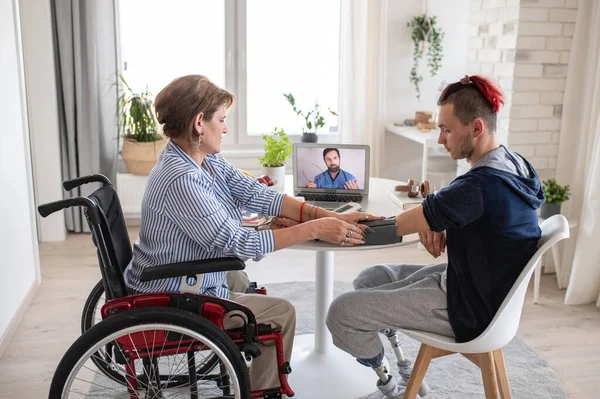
(281, 223)
(355, 217)
(340, 232)
(435, 243)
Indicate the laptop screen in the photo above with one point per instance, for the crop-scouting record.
(331, 168)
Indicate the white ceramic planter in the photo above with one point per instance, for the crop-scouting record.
(277, 175)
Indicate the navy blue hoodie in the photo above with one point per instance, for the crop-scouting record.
(489, 215)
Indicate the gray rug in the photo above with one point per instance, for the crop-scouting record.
(449, 377)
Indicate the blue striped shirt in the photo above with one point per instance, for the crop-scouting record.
(193, 212)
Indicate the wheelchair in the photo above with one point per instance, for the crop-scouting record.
(156, 345)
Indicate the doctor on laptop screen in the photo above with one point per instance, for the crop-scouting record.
(334, 176)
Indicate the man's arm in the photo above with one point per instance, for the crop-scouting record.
(414, 221)
(454, 206)
(411, 221)
(319, 180)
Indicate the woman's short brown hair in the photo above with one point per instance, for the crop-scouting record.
(185, 97)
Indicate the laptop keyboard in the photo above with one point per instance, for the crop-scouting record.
(331, 197)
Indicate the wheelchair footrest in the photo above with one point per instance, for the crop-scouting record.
(272, 394)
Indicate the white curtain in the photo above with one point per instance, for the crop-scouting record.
(579, 158)
(85, 45)
(362, 64)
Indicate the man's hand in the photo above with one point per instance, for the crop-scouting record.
(435, 243)
(281, 223)
(311, 184)
(351, 185)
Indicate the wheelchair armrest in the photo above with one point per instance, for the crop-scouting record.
(191, 268)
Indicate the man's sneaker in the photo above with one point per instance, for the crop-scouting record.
(405, 373)
(392, 388)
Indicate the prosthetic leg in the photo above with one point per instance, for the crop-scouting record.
(404, 368)
(387, 384)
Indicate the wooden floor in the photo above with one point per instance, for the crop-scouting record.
(568, 337)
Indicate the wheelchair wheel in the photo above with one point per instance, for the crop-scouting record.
(103, 359)
(91, 316)
(156, 349)
(91, 310)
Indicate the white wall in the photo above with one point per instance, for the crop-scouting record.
(544, 40)
(402, 156)
(400, 97)
(19, 266)
(525, 46)
(38, 55)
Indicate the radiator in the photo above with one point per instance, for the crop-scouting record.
(130, 189)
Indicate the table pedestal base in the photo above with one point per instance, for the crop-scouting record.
(334, 374)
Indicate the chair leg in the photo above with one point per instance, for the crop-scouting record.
(426, 353)
(488, 373)
(501, 374)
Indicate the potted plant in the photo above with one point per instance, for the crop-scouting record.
(142, 141)
(555, 195)
(427, 39)
(278, 149)
(313, 120)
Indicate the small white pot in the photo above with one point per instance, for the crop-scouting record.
(276, 174)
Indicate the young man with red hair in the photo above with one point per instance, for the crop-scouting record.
(486, 218)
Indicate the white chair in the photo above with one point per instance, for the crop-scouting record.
(556, 259)
(486, 350)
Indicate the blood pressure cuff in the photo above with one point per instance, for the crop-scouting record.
(384, 232)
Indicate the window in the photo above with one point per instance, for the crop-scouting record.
(257, 49)
(292, 47)
(161, 40)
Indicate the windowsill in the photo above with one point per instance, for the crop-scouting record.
(231, 150)
(297, 136)
(242, 153)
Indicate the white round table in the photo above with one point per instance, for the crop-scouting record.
(319, 369)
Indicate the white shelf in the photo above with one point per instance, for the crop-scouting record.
(414, 134)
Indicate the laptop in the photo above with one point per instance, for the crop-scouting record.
(330, 175)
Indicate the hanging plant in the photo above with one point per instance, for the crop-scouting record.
(427, 39)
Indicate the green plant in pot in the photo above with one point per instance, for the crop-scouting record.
(313, 120)
(555, 196)
(142, 140)
(278, 149)
(427, 40)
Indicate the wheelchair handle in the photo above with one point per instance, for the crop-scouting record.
(78, 181)
(51, 207)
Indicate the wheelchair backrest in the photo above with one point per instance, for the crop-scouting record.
(112, 240)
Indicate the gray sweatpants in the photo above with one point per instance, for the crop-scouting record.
(389, 296)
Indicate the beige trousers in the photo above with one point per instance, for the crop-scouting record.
(277, 312)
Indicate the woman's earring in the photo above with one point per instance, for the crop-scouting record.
(199, 141)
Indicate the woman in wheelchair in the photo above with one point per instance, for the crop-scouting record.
(192, 210)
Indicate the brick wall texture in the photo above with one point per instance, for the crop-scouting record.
(525, 46)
